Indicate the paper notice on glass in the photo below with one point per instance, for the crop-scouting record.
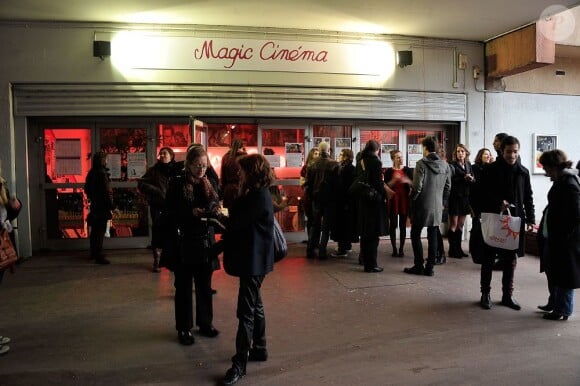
(414, 154)
(68, 166)
(294, 154)
(386, 154)
(114, 165)
(274, 160)
(67, 148)
(136, 165)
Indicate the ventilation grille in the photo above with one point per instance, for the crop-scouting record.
(231, 100)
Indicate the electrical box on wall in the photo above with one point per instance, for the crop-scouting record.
(462, 61)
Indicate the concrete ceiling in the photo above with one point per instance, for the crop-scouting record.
(453, 19)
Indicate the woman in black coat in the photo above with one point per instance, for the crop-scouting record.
(559, 235)
(462, 179)
(189, 202)
(249, 255)
(344, 231)
(154, 185)
(372, 219)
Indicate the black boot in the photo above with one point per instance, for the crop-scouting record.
(452, 245)
(485, 301)
(458, 237)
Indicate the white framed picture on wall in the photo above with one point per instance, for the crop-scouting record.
(542, 143)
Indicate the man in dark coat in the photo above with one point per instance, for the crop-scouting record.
(431, 186)
(505, 184)
(321, 184)
(100, 195)
(372, 220)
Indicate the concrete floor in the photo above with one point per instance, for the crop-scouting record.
(328, 323)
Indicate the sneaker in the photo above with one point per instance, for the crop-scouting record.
(339, 254)
(4, 349)
(4, 339)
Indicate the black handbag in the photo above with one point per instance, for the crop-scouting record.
(476, 244)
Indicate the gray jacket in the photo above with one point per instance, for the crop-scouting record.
(431, 186)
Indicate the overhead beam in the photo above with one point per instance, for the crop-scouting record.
(519, 51)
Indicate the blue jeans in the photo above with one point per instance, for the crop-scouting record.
(563, 301)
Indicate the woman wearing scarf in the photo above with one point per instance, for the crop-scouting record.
(189, 201)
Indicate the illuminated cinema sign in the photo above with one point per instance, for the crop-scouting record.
(187, 53)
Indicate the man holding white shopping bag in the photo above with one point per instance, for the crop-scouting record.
(504, 184)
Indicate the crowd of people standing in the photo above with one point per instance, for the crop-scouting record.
(435, 192)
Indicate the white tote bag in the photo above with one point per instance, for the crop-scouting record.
(501, 230)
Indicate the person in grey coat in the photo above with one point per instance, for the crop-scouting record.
(431, 186)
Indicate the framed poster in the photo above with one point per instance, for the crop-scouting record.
(340, 144)
(542, 143)
(414, 154)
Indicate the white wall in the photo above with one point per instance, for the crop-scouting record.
(523, 115)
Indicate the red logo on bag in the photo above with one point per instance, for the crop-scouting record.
(506, 226)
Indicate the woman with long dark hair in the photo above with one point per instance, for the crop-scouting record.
(459, 206)
(249, 255)
(230, 172)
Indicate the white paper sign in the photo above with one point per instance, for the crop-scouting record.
(294, 154)
(114, 165)
(136, 165)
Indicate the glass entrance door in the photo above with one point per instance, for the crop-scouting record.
(67, 156)
(284, 147)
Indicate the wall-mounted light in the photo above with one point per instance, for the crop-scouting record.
(307, 139)
(404, 58)
(101, 49)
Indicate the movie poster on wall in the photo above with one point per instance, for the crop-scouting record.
(340, 144)
(294, 154)
(316, 141)
(386, 154)
(414, 154)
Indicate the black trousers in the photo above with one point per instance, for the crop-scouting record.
(322, 221)
(418, 247)
(185, 278)
(369, 248)
(97, 237)
(509, 262)
(251, 320)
